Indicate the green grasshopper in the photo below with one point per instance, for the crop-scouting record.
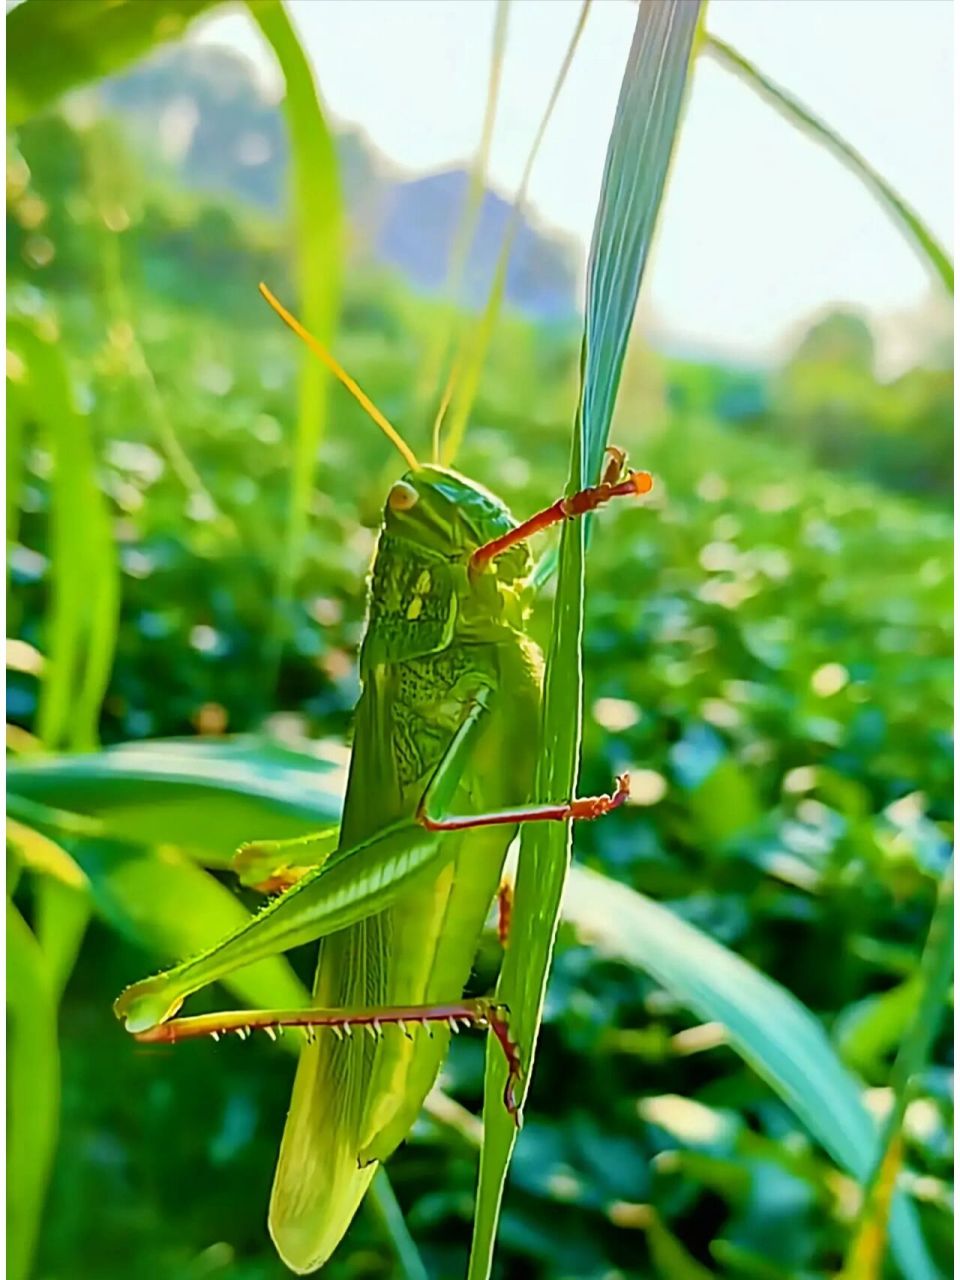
(440, 776)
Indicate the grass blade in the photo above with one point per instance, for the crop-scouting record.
(61, 904)
(33, 1090)
(318, 219)
(638, 157)
(120, 319)
(444, 328)
(634, 177)
(62, 915)
(383, 1202)
(16, 409)
(793, 110)
(866, 1032)
(770, 1029)
(103, 607)
(865, 1258)
(473, 347)
(85, 581)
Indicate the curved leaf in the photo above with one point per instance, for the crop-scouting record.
(162, 901)
(205, 797)
(791, 109)
(769, 1028)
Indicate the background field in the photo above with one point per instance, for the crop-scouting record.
(768, 648)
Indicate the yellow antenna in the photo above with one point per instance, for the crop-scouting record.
(342, 376)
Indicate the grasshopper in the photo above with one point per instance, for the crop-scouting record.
(398, 893)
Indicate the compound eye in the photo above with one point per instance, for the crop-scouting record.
(402, 496)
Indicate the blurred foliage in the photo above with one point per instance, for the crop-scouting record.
(63, 43)
(768, 648)
(898, 432)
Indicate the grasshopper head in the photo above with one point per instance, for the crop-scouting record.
(422, 593)
(444, 514)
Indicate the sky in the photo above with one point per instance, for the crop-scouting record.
(760, 228)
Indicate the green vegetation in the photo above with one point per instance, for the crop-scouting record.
(767, 647)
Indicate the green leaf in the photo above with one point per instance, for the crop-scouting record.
(14, 456)
(634, 178)
(33, 1090)
(44, 856)
(162, 901)
(791, 109)
(638, 157)
(724, 804)
(81, 627)
(56, 45)
(207, 798)
(869, 1029)
(770, 1029)
(767, 1026)
(318, 235)
(62, 915)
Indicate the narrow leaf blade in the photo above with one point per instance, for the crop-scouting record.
(82, 619)
(865, 1259)
(33, 1090)
(638, 157)
(318, 223)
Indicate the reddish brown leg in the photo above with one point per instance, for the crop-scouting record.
(585, 808)
(504, 911)
(497, 1022)
(481, 1013)
(613, 484)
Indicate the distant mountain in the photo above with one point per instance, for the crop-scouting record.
(422, 214)
(202, 111)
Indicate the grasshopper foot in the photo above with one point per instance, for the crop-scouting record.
(259, 867)
(146, 1004)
